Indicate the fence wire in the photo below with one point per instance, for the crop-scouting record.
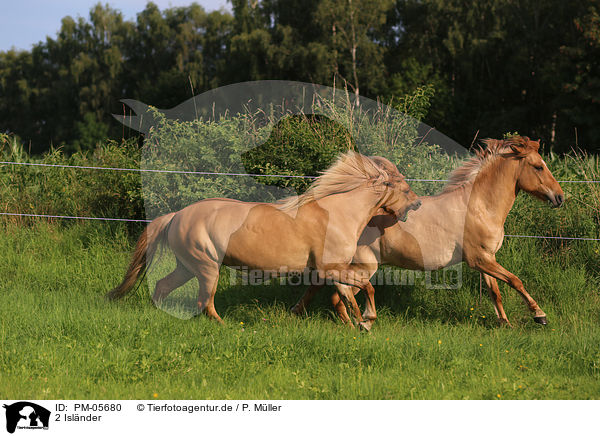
(208, 173)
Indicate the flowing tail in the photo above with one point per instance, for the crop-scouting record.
(152, 236)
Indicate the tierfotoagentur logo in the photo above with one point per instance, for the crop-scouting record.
(25, 415)
(446, 278)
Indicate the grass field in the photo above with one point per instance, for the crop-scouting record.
(61, 339)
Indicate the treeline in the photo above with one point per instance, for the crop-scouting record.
(495, 65)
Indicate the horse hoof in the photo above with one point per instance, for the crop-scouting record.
(540, 320)
(502, 322)
(296, 310)
(365, 326)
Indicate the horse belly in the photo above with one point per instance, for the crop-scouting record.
(440, 257)
(429, 253)
(266, 251)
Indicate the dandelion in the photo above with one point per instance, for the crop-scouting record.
(520, 386)
(483, 316)
(498, 395)
(481, 345)
(155, 395)
(241, 322)
(387, 339)
(354, 337)
(506, 351)
(439, 341)
(471, 309)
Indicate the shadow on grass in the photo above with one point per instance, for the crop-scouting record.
(406, 303)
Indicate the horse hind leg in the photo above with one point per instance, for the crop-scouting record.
(210, 310)
(208, 278)
(178, 277)
(494, 291)
(300, 307)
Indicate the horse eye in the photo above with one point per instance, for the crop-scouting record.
(539, 167)
(388, 184)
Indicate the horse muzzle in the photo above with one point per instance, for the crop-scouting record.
(413, 206)
(555, 200)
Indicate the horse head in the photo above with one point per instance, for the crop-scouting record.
(534, 176)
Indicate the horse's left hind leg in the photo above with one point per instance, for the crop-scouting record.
(496, 298)
(172, 281)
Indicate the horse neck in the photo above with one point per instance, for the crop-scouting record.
(352, 209)
(495, 189)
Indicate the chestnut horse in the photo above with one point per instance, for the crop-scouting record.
(317, 230)
(465, 222)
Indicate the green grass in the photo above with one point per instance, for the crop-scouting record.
(60, 338)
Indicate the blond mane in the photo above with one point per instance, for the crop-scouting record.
(515, 146)
(349, 172)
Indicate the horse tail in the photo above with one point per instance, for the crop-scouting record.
(152, 237)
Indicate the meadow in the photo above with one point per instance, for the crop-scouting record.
(60, 338)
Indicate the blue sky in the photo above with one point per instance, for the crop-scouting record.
(25, 22)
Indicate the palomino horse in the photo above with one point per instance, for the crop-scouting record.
(465, 222)
(317, 230)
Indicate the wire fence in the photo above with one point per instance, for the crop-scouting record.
(208, 173)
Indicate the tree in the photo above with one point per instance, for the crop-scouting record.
(354, 27)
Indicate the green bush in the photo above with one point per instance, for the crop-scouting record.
(269, 144)
(70, 191)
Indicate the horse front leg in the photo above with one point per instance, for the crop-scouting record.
(352, 280)
(346, 277)
(488, 265)
(370, 313)
(340, 307)
(345, 295)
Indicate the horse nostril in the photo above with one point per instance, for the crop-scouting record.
(417, 204)
(560, 199)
